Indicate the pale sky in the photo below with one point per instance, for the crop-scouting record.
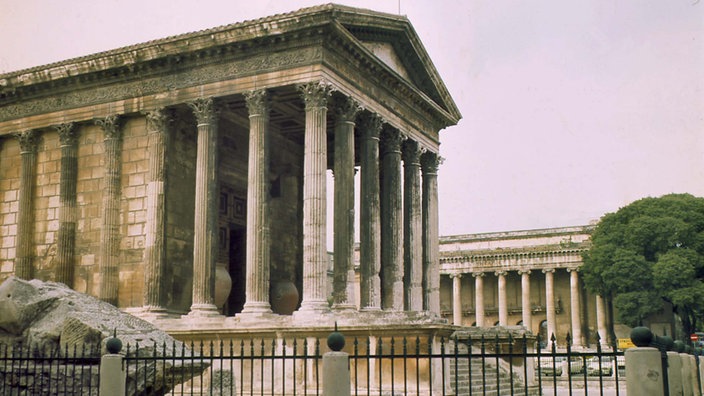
(571, 109)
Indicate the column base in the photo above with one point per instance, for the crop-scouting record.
(149, 313)
(314, 306)
(344, 307)
(256, 308)
(203, 310)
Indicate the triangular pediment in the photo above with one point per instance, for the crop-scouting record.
(387, 54)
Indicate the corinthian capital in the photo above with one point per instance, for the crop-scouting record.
(346, 109)
(391, 139)
(157, 120)
(371, 125)
(68, 135)
(111, 126)
(315, 94)
(28, 141)
(430, 162)
(411, 152)
(204, 110)
(257, 102)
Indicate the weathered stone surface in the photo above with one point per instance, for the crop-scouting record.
(48, 316)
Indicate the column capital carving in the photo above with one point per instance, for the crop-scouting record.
(550, 270)
(68, 135)
(571, 269)
(29, 140)
(346, 109)
(391, 139)
(157, 120)
(411, 152)
(370, 124)
(315, 94)
(204, 109)
(500, 273)
(430, 161)
(257, 102)
(455, 275)
(111, 126)
(478, 274)
(523, 271)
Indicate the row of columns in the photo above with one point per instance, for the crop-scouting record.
(406, 224)
(526, 313)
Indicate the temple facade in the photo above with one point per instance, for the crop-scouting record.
(184, 179)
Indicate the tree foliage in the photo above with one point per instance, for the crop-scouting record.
(649, 251)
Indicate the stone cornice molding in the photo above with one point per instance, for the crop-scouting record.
(68, 134)
(111, 126)
(29, 140)
(257, 102)
(515, 255)
(315, 94)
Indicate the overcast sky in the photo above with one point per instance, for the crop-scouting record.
(571, 109)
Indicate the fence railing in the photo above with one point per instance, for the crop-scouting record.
(378, 366)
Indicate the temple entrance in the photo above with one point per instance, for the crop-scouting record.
(237, 266)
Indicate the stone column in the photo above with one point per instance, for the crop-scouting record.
(503, 309)
(258, 250)
(315, 256)
(370, 228)
(525, 299)
(155, 226)
(574, 308)
(391, 221)
(65, 255)
(479, 298)
(110, 224)
(412, 227)
(601, 320)
(456, 299)
(550, 302)
(205, 220)
(431, 271)
(343, 222)
(25, 217)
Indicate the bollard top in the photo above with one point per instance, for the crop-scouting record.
(113, 344)
(336, 341)
(667, 343)
(641, 336)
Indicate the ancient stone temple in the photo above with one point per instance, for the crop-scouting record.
(185, 180)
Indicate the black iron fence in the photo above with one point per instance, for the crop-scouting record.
(378, 366)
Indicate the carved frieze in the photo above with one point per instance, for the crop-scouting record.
(163, 82)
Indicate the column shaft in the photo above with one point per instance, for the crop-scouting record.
(391, 221)
(315, 256)
(456, 299)
(155, 226)
(479, 298)
(258, 250)
(525, 299)
(503, 309)
(370, 227)
(25, 218)
(205, 224)
(343, 222)
(412, 227)
(574, 308)
(431, 237)
(65, 255)
(550, 302)
(601, 320)
(110, 232)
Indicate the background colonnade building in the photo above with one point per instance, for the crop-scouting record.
(526, 278)
(187, 176)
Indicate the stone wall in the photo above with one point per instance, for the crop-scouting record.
(9, 202)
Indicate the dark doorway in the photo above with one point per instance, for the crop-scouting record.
(238, 262)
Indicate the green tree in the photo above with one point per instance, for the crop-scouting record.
(649, 251)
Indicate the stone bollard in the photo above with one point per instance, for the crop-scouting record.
(674, 369)
(112, 372)
(644, 365)
(336, 367)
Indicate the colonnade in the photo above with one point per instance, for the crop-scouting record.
(399, 219)
(526, 305)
